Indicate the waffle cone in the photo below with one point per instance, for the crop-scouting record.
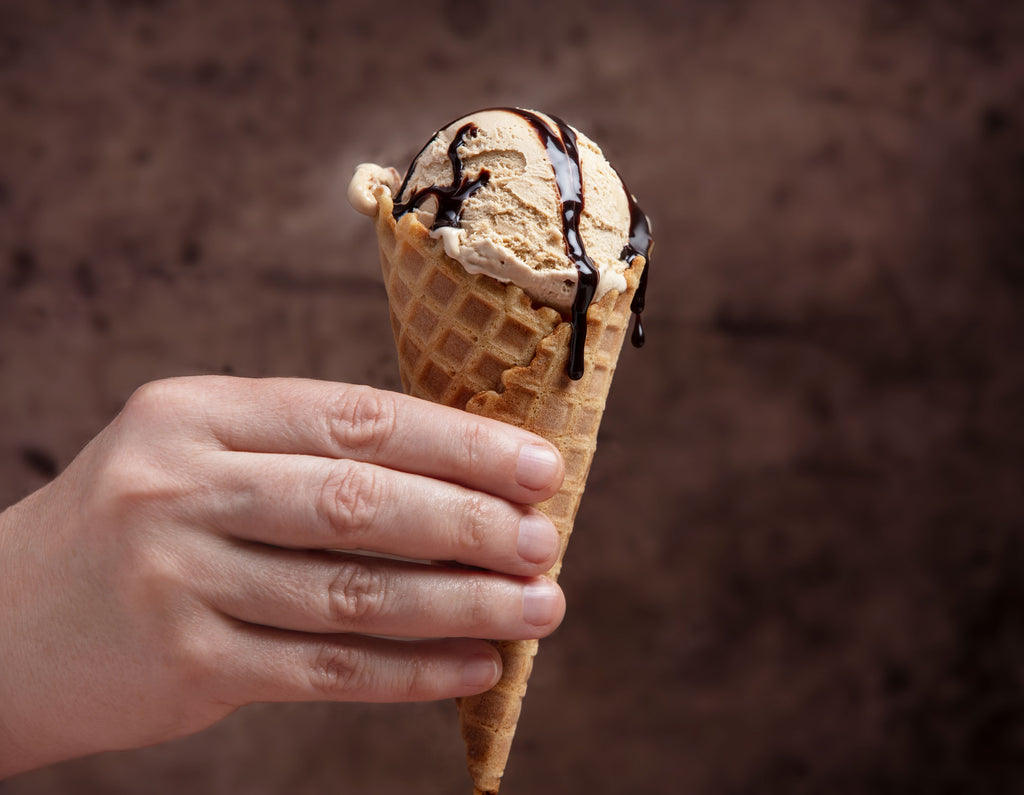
(472, 342)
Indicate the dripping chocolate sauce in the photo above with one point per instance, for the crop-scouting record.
(565, 161)
(563, 153)
(639, 244)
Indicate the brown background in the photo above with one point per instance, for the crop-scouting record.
(799, 567)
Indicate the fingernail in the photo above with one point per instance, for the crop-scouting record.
(538, 539)
(480, 673)
(537, 466)
(539, 600)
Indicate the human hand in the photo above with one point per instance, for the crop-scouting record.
(185, 563)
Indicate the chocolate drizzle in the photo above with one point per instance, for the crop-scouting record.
(449, 197)
(565, 161)
(639, 244)
(563, 153)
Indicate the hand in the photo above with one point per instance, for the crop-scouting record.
(206, 550)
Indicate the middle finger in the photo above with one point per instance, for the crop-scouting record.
(308, 502)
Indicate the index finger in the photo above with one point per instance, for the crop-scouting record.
(306, 417)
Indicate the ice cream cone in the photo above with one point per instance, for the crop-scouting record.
(472, 342)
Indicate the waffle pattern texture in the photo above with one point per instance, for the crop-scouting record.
(472, 342)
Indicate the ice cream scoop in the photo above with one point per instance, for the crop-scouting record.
(523, 198)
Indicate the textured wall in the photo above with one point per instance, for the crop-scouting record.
(800, 567)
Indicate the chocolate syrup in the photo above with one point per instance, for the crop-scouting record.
(563, 153)
(449, 197)
(565, 161)
(640, 242)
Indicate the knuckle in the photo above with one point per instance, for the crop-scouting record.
(149, 576)
(338, 670)
(199, 656)
(169, 408)
(152, 399)
(419, 680)
(146, 396)
(361, 418)
(355, 595)
(157, 583)
(477, 447)
(477, 521)
(123, 486)
(476, 605)
(129, 486)
(351, 498)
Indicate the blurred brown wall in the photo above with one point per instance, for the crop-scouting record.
(799, 565)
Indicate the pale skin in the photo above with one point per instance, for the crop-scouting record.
(204, 552)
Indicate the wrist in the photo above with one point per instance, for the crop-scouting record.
(17, 753)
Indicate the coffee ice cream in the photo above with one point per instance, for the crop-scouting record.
(523, 198)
